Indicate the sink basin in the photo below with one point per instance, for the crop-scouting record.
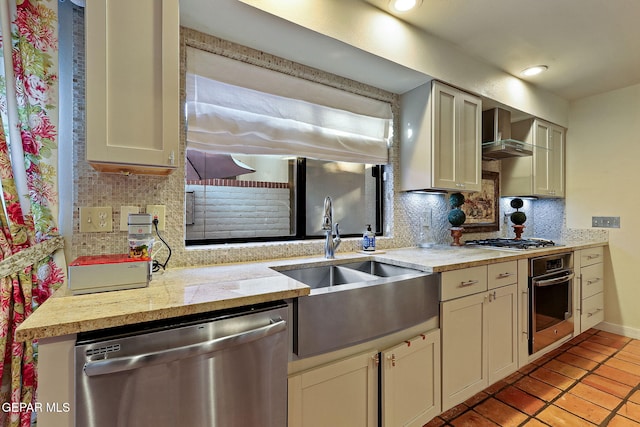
(327, 275)
(353, 302)
(380, 269)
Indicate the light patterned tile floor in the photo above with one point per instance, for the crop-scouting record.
(592, 380)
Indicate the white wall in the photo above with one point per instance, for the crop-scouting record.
(603, 153)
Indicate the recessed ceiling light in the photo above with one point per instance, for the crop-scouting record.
(404, 5)
(532, 71)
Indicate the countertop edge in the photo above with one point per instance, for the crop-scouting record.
(45, 323)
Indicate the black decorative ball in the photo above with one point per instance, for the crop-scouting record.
(518, 218)
(456, 200)
(456, 217)
(517, 203)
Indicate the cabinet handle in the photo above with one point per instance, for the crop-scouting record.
(595, 256)
(392, 358)
(504, 275)
(492, 295)
(376, 359)
(592, 281)
(525, 295)
(468, 283)
(594, 312)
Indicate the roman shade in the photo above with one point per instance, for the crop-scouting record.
(239, 108)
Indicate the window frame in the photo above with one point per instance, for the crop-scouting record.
(300, 213)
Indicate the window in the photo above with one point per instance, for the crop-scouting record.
(264, 149)
(278, 198)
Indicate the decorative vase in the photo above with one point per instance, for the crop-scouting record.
(456, 233)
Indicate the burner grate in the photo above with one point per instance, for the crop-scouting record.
(511, 243)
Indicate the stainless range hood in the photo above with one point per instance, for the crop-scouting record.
(496, 136)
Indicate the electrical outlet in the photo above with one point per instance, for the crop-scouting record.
(157, 211)
(426, 219)
(605, 221)
(96, 219)
(124, 216)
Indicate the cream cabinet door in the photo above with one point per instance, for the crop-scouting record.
(464, 348)
(501, 315)
(411, 381)
(132, 85)
(343, 393)
(548, 159)
(457, 162)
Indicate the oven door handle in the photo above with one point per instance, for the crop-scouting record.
(554, 281)
(127, 363)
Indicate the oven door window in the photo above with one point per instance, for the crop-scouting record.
(552, 304)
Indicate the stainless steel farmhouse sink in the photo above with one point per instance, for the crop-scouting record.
(356, 301)
(327, 275)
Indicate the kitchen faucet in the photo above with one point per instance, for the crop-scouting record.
(330, 243)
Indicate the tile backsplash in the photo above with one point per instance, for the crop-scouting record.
(410, 219)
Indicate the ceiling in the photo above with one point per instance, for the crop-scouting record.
(590, 46)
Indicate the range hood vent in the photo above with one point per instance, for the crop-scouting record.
(496, 136)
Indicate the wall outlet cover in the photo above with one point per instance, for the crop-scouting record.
(157, 211)
(96, 219)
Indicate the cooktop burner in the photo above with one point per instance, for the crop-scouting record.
(511, 243)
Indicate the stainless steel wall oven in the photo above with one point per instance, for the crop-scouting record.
(550, 300)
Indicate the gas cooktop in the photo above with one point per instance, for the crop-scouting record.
(516, 244)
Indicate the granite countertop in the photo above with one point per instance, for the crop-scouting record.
(184, 291)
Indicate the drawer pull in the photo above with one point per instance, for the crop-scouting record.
(594, 256)
(594, 312)
(468, 283)
(592, 281)
(504, 275)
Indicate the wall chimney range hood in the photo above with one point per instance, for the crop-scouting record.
(496, 136)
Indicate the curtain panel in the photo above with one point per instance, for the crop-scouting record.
(30, 256)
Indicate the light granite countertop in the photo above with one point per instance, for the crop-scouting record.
(184, 291)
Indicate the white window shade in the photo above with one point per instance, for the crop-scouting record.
(234, 107)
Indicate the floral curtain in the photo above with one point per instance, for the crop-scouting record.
(30, 258)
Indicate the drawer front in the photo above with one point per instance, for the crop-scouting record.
(502, 274)
(592, 279)
(467, 281)
(592, 311)
(591, 256)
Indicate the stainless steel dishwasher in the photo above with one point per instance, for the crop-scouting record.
(226, 370)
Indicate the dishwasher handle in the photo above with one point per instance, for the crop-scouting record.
(127, 363)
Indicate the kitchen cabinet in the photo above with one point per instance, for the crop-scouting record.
(591, 283)
(132, 85)
(543, 173)
(479, 331)
(343, 393)
(410, 383)
(440, 131)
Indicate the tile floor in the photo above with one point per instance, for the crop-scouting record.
(592, 380)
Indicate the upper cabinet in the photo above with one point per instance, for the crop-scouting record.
(132, 85)
(543, 173)
(440, 130)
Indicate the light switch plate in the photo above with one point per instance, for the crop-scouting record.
(605, 221)
(157, 211)
(96, 219)
(124, 216)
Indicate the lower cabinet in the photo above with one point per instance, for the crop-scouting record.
(410, 383)
(479, 342)
(590, 266)
(342, 393)
(346, 392)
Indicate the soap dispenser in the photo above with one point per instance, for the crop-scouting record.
(369, 239)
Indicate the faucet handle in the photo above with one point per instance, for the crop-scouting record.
(337, 230)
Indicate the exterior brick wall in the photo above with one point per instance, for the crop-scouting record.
(228, 210)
